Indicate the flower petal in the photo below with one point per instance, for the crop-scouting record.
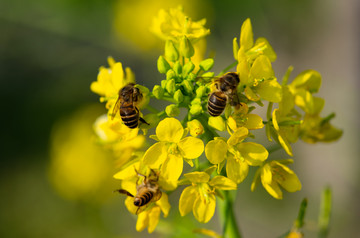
(172, 167)
(254, 122)
(238, 136)
(191, 147)
(223, 183)
(253, 153)
(270, 90)
(187, 200)
(154, 215)
(261, 68)
(246, 35)
(142, 221)
(236, 170)
(204, 211)
(217, 122)
(273, 189)
(156, 155)
(164, 204)
(215, 151)
(169, 129)
(198, 177)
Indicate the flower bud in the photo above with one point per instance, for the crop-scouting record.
(207, 64)
(163, 83)
(163, 65)
(186, 48)
(177, 68)
(195, 127)
(171, 52)
(217, 122)
(178, 96)
(200, 91)
(170, 86)
(196, 108)
(158, 91)
(188, 86)
(170, 74)
(235, 48)
(172, 110)
(188, 68)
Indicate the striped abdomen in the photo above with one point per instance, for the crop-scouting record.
(129, 115)
(143, 199)
(216, 103)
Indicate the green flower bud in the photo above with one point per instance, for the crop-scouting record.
(188, 68)
(163, 65)
(163, 83)
(171, 52)
(172, 110)
(170, 86)
(152, 119)
(178, 96)
(207, 64)
(177, 68)
(191, 76)
(196, 108)
(170, 74)
(200, 91)
(186, 48)
(188, 86)
(158, 91)
(195, 128)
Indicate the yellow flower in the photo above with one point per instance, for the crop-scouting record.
(172, 148)
(111, 80)
(174, 24)
(240, 155)
(275, 174)
(200, 196)
(242, 118)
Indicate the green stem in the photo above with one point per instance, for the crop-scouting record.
(227, 216)
(228, 68)
(325, 212)
(152, 109)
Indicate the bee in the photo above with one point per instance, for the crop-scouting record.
(225, 92)
(129, 96)
(146, 192)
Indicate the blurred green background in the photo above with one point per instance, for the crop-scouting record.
(50, 52)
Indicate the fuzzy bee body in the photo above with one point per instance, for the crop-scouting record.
(225, 92)
(146, 192)
(129, 96)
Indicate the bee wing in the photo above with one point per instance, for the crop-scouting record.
(124, 192)
(116, 108)
(234, 100)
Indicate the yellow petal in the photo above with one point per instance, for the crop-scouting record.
(130, 185)
(238, 136)
(236, 170)
(250, 94)
(243, 70)
(172, 167)
(169, 129)
(253, 153)
(191, 147)
(266, 174)
(217, 122)
(273, 189)
(128, 172)
(117, 76)
(187, 200)
(254, 122)
(223, 183)
(284, 142)
(215, 151)
(142, 221)
(288, 179)
(310, 80)
(198, 177)
(262, 44)
(204, 211)
(270, 90)
(129, 203)
(261, 68)
(246, 35)
(154, 215)
(155, 155)
(164, 204)
(256, 180)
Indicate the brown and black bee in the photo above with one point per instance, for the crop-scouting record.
(129, 96)
(225, 92)
(146, 192)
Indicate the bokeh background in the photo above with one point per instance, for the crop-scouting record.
(55, 182)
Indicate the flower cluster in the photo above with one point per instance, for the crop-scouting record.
(214, 163)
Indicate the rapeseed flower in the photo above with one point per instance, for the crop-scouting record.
(200, 196)
(274, 174)
(238, 154)
(172, 147)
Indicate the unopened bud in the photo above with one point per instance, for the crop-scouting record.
(188, 86)
(195, 127)
(172, 110)
(178, 96)
(188, 68)
(177, 68)
(163, 65)
(170, 74)
(200, 91)
(170, 86)
(171, 52)
(207, 64)
(158, 91)
(186, 48)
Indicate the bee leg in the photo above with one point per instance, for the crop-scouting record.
(143, 121)
(124, 192)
